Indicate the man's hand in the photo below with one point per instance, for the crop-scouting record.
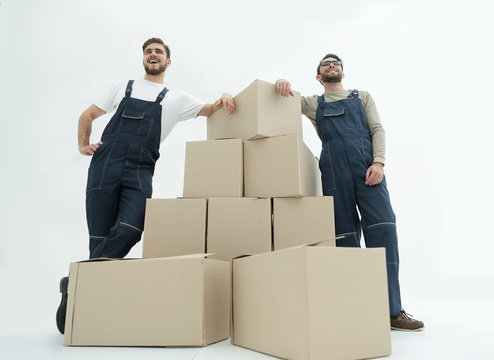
(89, 149)
(227, 102)
(284, 87)
(375, 174)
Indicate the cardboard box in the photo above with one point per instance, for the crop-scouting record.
(238, 226)
(174, 227)
(281, 166)
(181, 301)
(312, 302)
(214, 169)
(259, 112)
(302, 221)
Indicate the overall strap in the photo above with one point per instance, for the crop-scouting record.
(128, 89)
(161, 95)
(320, 100)
(353, 93)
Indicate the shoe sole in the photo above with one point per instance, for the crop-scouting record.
(62, 308)
(409, 330)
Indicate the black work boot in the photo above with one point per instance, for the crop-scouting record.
(62, 308)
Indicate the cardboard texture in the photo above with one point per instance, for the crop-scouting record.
(183, 301)
(312, 302)
(302, 221)
(281, 166)
(214, 169)
(174, 227)
(259, 112)
(238, 226)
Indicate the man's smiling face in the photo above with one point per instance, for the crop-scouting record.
(155, 61)
(330, 72)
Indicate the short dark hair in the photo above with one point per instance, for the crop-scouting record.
(157, 41)
(325, 57)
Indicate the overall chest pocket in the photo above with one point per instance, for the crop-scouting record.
(132, 114)
(345, 118)
(330, 122)
(334, 113)
(131, 122)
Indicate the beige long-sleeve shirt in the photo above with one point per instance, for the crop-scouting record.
(309, 108)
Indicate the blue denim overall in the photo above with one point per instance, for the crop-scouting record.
(345, 157)
(120, 176)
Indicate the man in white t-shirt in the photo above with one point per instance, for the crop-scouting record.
(122, 164)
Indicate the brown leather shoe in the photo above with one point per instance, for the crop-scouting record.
(404, 322)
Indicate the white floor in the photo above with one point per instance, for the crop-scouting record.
(442, 342)
(457, 312)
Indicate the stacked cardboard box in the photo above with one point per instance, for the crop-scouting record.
(174, 227)
(175, 301)
(259, 113)
(312, 303)
(214, 169)
(238, 226)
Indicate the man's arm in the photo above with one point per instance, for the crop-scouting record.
(375, 173)
(84, 129)
(226, 101)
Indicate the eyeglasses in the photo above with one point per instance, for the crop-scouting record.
(329, 62)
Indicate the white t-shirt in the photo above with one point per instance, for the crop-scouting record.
(176, 106)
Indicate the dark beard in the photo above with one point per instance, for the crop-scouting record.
(331, 78)
(155, 72)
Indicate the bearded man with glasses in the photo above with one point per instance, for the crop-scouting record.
(351, 163)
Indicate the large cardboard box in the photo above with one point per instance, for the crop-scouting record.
(281, 166)
(214, 168)
(238, 226)
(299, 221)
(259, 112)
(312, 302)
(174, 227)
(181, 301)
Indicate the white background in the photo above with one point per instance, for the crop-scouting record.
(428, 65)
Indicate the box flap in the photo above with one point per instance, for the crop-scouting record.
(242, 256)
(189, 256)
(317, 243)
(102, 259)
(321, 243)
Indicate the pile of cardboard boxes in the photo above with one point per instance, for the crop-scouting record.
(247, 252)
